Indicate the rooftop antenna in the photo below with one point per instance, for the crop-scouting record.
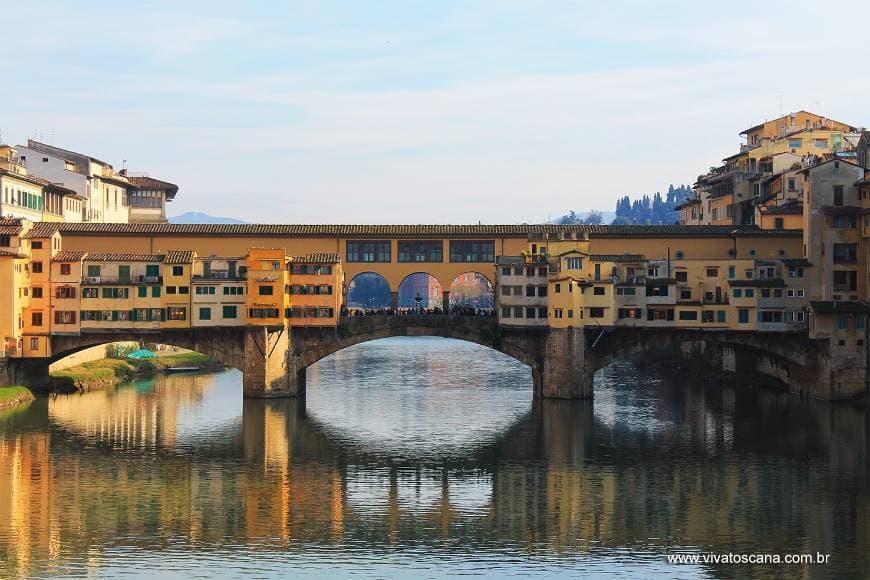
(781, 112)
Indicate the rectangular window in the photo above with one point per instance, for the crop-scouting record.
(743, 316)
(472, 251)
(791, 185)
(794, 143)
(859, 322)
(795, 272)
(542, 312)
(542, 290)
(65, 292)
(184, 289)
(178, 270)
(750, 293)
(626, 291)
(230, 312)
(838, 195)
(34, 344)
(531, 312)
(506, 311)
(558, 313)
(770, 316)
(557, 288)
(749, 274)
(518, 311)
(368, 251)
(37, 292)
(64, 317)
(688, 315)
(596, 312)
(171, 290)
(530, 290)
(36, 318)
(155, 291)
(65, 269)
(265, 290)
(712, 272)
(142, 292)
(422, 252)
(234, 290)
(176, 313)
(652, 271)
(845, 253)
(205, 313)
(681, 276)
(598, 291)
(737, 292)
(124, 273)
(628, 313)
(37, 267)
(720, 316)
(35, 245)
(574, 263)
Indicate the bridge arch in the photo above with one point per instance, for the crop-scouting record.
(472, 288)
(225, 344)
(421, 283)
(310, 345)
(368, 289)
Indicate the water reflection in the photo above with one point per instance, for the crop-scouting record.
(181, 472)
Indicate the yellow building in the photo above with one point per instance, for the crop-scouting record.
(219, 288)
(177, 270)
(315, 289)
(268, 296)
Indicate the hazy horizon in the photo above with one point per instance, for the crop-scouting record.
(413, 112)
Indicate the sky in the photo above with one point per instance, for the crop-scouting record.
(421, 112)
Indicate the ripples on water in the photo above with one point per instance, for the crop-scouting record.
(428, 458)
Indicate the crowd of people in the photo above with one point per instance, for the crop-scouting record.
(455, 310)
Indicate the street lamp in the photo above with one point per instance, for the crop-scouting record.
(418, 299)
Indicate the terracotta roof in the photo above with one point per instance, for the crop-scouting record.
(838, 307)
(68, 256)
(458, 231)
(41, 230)
(145, 182)
(9, 230)
(124, 257)
(11, 254)
(617, 257)
(319, 258)
(178, 257)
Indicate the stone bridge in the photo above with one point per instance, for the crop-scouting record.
(562, 361)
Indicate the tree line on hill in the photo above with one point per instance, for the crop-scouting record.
(653, 210)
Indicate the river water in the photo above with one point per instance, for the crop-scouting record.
(428, 458)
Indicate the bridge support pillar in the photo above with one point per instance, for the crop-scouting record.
(266, 372)
(394, 300)
(445, 301)
(29, 372)
(565, 375)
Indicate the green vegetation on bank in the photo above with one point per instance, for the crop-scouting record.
(102, 372)
(187, 359)
(11, 396)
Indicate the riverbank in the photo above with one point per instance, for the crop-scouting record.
(106, 373)
(14, 396)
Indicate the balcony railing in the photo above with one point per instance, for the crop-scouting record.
(219, 277)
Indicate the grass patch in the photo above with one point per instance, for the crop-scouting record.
(93, 372)
(12, 393)
(12, 396)
(187, 359)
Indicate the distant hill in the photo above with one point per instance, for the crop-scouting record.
(197, 217)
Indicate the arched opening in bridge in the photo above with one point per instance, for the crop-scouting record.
(421, 396)
(419, 291)
(471, 291)
(368, 291)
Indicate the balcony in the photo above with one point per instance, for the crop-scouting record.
(542, 259)
(220, 276)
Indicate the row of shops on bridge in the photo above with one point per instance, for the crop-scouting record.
(555, 281)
